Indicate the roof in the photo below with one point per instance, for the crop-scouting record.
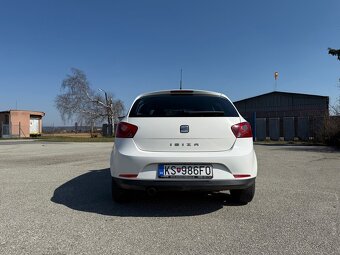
(32, 112)
(282, 93)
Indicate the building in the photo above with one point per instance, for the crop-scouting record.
(20, 123)
(285, 114)
(284, 104)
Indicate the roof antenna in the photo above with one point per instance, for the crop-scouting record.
(180, 82)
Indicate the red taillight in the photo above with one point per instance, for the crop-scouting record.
(242, 130)
(126, 130)
(241, 175)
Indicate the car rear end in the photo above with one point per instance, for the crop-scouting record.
(183, 140)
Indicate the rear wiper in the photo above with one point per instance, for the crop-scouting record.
(204, 113)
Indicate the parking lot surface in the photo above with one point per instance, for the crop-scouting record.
(55, 199)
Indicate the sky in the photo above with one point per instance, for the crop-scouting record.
(131, 47)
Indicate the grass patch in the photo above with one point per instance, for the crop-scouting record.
(74, 139)
(281, 142)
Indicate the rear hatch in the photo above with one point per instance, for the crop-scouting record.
(184, 121)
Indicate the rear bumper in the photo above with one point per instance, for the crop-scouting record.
(202, 185)
(126, 158)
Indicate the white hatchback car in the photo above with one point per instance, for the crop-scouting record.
(183, 140)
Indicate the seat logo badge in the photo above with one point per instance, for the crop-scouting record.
(184, 128)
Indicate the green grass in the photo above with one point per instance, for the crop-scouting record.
(269, 142)
(75, 139)
(15, 138)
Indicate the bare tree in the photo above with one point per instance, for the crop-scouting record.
(334, 52)
(336, 108)
(80, 102)
(332, 126)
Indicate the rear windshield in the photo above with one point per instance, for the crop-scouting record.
(183, 105)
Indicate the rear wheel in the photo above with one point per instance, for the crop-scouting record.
(119, 195)
(243, 196)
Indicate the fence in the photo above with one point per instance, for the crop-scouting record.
(288, 128)
(11, 131)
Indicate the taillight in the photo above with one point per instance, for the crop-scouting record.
(126, 130)
(242, 130)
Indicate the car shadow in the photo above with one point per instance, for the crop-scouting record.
(91, 192)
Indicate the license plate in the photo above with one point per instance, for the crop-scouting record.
(185, 171)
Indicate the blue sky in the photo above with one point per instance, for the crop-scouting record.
(130, 47)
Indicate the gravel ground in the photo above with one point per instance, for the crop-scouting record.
(55, 199)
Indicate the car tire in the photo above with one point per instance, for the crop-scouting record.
(243, 196)
(119, 195)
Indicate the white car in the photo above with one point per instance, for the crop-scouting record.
(183, 140)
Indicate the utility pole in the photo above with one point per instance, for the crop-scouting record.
(108, 104)
(107, 107)
(180, 82)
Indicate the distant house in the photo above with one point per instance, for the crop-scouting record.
(20, 123)
(284, 104)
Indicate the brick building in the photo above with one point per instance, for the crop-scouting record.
(20, 123)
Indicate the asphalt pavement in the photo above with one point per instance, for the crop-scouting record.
(55, 199)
